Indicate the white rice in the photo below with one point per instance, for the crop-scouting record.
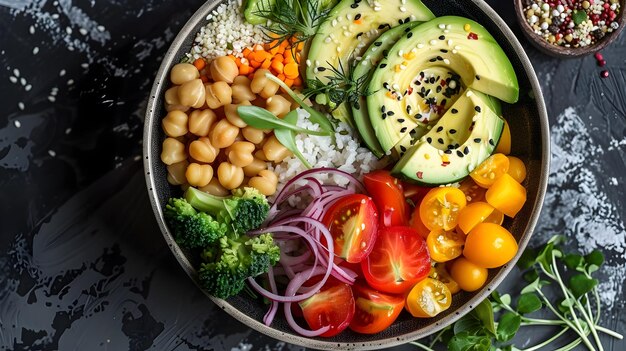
(345, 154)
(226, 32)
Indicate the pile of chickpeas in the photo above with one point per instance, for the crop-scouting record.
(208, 146)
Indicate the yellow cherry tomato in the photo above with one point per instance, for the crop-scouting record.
(490, 170)
(504, 145)
(478, 212)
(472, 191)
(517, 169)
(440, 273)
(428, 298)
(506, 195)
(489, 245)
(444, 245)
(467, 275)
(440, 207)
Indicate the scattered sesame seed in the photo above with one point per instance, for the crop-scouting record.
(433, 42)
(31, 30)
(100, 28)
(52, 153)
(35, 50)
(13, 79)
(16, 72)
(28, 87)
(21, 106)
(17, 123)
(68, 30)
(51, 98)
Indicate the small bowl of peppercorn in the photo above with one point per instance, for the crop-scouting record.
(570, 28)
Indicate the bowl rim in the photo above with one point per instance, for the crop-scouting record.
(151, 113)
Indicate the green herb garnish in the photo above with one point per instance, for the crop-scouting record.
(341, 86)
(579, 17)
(287, 19)
(287, 137)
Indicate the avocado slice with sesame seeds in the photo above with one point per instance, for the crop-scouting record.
(450, 45)
(461, 140)
(361, 72)
(348, 30)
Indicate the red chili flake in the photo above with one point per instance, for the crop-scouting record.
(419, 174)
(604, 74)
(472, 36)
(445, 163)
(443, 83)
(410, 90)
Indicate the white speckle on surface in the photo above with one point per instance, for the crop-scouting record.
(21, 106)
(17, 123)
(61, 73)
(35, 50)
(578, 205)
(51, 98)
(242, 347)
(52, 153)
(13, 79)
(31, 30)
(68, 130)
(28, 87)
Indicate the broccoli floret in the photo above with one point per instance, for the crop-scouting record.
(229, 264)
(244, 211)
(192, 229)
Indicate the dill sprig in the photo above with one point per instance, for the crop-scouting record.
(295, 20)
(341, 86)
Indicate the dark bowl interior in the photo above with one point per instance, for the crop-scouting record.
(527, 119)
(561, 51)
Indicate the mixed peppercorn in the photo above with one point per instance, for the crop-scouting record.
(572, 23)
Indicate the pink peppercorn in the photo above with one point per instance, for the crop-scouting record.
(604, 74)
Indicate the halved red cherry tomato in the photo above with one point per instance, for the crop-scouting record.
(444, 245)
(398, 261)
(375, 311)
(428, 298)
(353, 223)
(414, 192)
(388, 195)
(440, 207)
(332, 306)
(417, 224)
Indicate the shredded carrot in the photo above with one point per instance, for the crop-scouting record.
(199, 63)
(291, 70)
(266, 64)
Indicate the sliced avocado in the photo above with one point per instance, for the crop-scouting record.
(350, 28)
(453, 44)
(252, 7)
(462, 139)
(372, 56)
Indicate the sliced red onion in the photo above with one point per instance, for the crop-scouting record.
(271, 313)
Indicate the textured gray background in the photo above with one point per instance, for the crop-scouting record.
(82, 263)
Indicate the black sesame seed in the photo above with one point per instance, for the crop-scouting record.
(440, 141)
(451, 147)
(378, 43)
(447, 152)
(321, 69)
(477, 140)
(429, 140)
(408, 110)
(409, 35)
(385, 53)
(407, 29)
(402, 148)
(382, 26)
(432, 80)
(477, 108)
(355, 5)
(443, 102)
(454, 111)
(444, 50)
(400, 120)
(439, 89)
(439, 129)
(442, 37)
(383, 109)
(433, 60)
(452, 131)
(359, 35)
(439, 58)
(403, 129)
(357, 17)
(418, 116)
(413, 131)
(390, 113)
(466, 150)
(407, 20)
(386, 85)
(456, 146)
(356, 105)
(383, 65)
(459, 153)
(491, 142)
(477, 77)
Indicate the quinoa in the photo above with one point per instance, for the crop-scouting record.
(345, 154)
(226, 33)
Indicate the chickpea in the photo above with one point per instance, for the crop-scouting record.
(274, 150)
(171, 100)
(294, 104)
(240, 153)
(278, 105)
(192, 93)
(254, 168)
(265, 182)
(201, 121)
(176, 173)
(253, 135)
(202, 150)
(218, 94)
(215, 188)
(241, 90)
(261, 155)
(224, 69)
(223, 134)
(173, 151)
(230, 176)
(175, 123)
(263, 86)
(232, 115)
(183, 72)
(199, 175)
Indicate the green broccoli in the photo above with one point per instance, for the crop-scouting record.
(227, 265)
(244, 211)
(192, 229)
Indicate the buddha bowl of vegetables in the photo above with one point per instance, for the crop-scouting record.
(346, 174)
